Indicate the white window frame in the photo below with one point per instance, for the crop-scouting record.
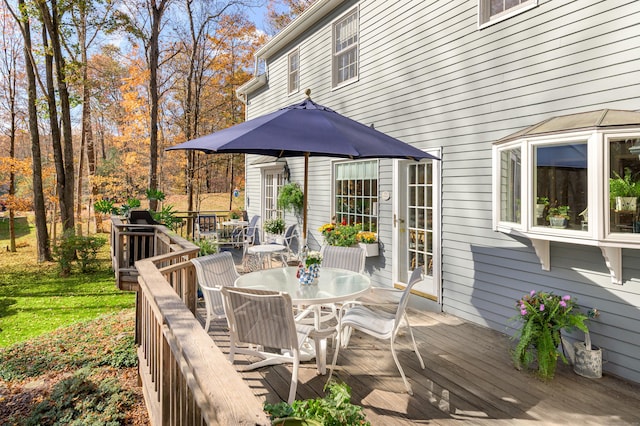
(372, 199)
(598, 233)
(352, 47)
(485, 18)
(293, 73)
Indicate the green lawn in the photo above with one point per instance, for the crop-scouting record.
(34, 300)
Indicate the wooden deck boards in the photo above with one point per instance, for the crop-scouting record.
(469, 378)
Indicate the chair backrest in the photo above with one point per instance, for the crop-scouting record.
(215, 270)
(416, 277)
(245, 216)
(260, 317)
(252, 234)
(351, 258)
(290, 235)
(206, 224)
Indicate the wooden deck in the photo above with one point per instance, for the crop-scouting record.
(469, 378)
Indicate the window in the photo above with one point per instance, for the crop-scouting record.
(561, 184)
(345, 49)
(573, 179)
(273, 181)
(510, 187)
(294, 71)
(492, 11)
(356, 193)
(624, 185)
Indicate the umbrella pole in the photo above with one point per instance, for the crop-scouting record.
(304, 199)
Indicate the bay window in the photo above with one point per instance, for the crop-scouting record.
(572, 179)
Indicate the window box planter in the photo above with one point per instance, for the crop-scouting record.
(371, 249)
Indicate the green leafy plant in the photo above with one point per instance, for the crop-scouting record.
(543, 316)
(71, 247)
(105, 207)
(167, 216)
(623, 186)
(154, 194)
(274, 226)
(132, 203)
(542, 200)
(234, 214)
(559, 211)
(333, 410)
(207, 246)
(291, 198)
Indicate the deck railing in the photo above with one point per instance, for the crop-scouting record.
(186, 379)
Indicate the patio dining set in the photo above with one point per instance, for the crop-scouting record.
(274, 318)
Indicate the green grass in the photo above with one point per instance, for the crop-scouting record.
(35, 300)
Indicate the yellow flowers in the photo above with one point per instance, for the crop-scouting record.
(366, 237)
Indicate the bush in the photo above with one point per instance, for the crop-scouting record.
(274, 226)
(70, 247)
(333, 410)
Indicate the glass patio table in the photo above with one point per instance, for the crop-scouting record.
(332, 286)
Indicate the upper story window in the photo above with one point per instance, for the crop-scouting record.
(572, 179)
(345, 48)
(294, 71)
(492, 11)
(356, 193)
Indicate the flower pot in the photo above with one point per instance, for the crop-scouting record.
(371, 249)
(626, 204)
(540, 210)
(588, 361)
(558, 222)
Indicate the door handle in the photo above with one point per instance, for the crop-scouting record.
(397, 220)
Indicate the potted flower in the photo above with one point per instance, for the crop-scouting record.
(309, 269)
(234, 215)
(291, 198)
(343, 235)
(543, 316)
(559, 216)
(368, 242)
(274, 228)
(624, 192)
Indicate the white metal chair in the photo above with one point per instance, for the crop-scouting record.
(214, 272)
(379, 323)
(265, 319)
(291, 238)
(351, 258)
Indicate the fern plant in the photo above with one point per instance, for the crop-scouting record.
(544, 316)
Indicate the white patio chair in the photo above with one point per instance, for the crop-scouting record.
(379, 323)
(291, 235)
(265, 319)
(351, 258)
(214, 272)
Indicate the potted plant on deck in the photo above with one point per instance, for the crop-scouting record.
(543, 316)
(274, 229)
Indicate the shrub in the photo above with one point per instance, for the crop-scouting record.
(70, 247)
(334, 409)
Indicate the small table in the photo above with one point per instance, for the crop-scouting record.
(268, 249)
(333, 286)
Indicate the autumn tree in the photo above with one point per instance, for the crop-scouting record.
(278, 18)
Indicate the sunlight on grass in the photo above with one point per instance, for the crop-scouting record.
(34, 300)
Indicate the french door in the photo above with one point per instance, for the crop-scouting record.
(416, 225)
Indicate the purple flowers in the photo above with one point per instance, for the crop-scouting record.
(541, 307)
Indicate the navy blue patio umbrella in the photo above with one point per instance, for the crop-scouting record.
(302, 130)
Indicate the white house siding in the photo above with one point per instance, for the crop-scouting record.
(429, 77)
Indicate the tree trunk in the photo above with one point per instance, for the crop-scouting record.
(64, 158)
(42, 236)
